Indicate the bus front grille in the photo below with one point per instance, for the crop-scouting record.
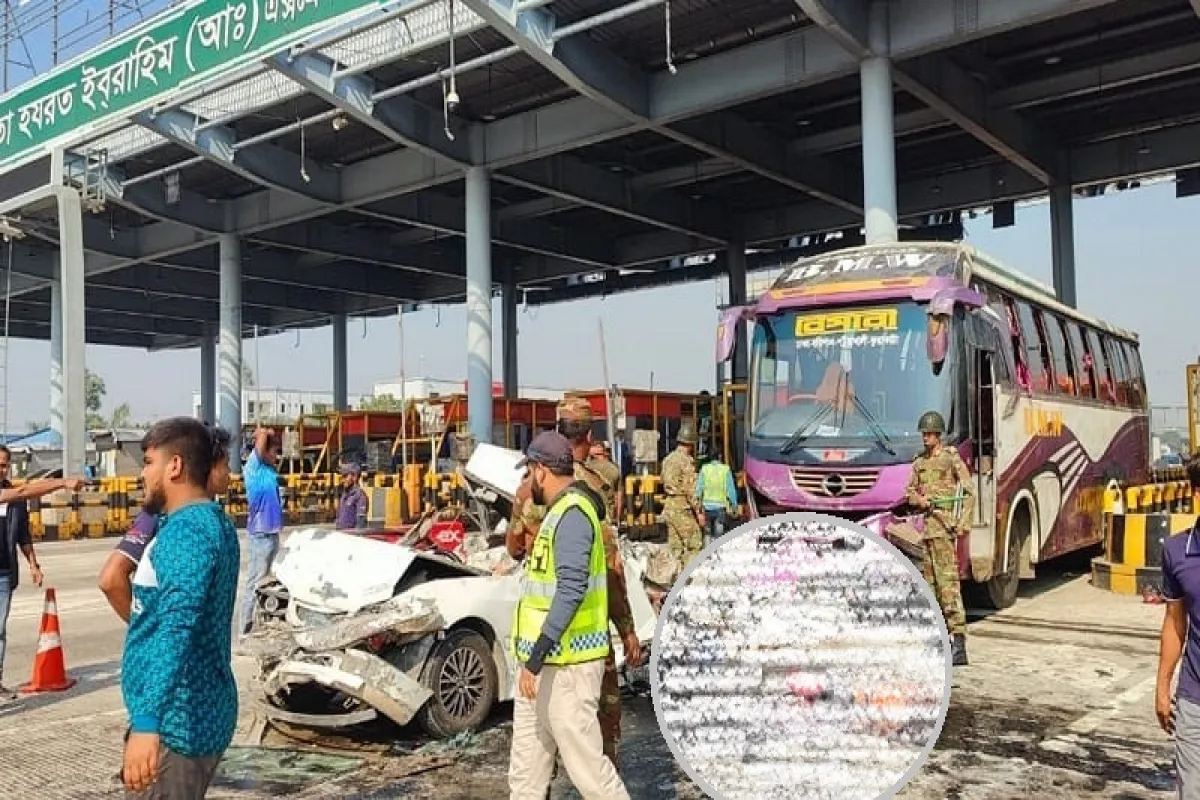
(833, 483)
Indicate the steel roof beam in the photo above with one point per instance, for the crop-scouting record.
(282, 273)
(1072, 83)
(1125, 158)
(403, 120)
(570, 178)
(1100, 78)
(918, 27)
(628, 92)
(40, 331)
(200, 286)
(191, 211)
(400, 119)
(438, 215)
(702, 87)
(104, 300)
(764, 69)
(290, 284)
(122, 322)
(326, 239)
(745, 145)
(844, 20)
(942, 85)
(266, 164)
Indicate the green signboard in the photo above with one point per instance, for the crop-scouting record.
(184, 46)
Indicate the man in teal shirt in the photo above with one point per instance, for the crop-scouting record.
(718, 492)
(176, 678)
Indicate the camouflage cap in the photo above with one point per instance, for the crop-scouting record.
(575, 409)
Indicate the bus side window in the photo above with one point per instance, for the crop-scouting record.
(1027, 376)
(1116, 360)
(1064, 364)
(1085, 367)
(1106, 388)
(1040, 367)
(1137, 378)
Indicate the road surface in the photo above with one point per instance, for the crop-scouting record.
(1058, 699)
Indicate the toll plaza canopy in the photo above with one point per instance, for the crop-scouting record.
(282, 163)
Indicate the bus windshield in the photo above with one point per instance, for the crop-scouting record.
(853, 375)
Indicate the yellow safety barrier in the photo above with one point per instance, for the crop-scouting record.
(1173, 497)
(1132, 561)
(108, 506)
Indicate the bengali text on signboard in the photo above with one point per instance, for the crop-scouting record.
(195, 42)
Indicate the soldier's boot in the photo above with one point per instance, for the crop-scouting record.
(958, 650)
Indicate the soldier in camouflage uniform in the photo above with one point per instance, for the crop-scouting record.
(941, 487)
(602, 477)
(682, 510)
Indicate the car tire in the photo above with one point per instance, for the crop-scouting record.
(461, 673)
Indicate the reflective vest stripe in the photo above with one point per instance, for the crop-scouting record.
(713, 481)
(547, 589)
(586, 637)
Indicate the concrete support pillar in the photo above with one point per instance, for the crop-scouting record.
(229, 344)
(736, 260)
(740, 362)
(479, 304)
(878, 134)
(208, 376)
(74, 356)
(56, 356)
(1062, 241)
(340, 368)
(508, 337)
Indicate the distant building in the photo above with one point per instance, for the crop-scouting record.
(276, 405)
(415, 388)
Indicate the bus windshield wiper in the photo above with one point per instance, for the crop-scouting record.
(877, 429)
(797, 438)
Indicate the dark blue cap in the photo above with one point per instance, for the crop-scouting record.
(553, 451)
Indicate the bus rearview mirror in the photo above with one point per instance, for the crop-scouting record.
(937, 340)
(727, 330)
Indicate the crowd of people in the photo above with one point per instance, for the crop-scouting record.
(174, 579)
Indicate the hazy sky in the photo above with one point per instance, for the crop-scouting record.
(1133, 254)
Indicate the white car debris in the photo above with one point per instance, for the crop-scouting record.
(374, 628)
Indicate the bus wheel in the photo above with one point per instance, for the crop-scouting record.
(1000, 591)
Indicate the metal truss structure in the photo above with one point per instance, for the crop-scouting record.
(627, 142)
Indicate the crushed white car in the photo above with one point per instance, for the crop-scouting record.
(374, 628)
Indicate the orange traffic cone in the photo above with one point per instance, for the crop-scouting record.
(49, 667)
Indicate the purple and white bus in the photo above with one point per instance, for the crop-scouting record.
(848, 349)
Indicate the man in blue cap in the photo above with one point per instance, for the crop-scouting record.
(561, 634)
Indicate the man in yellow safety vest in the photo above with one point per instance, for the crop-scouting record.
(718, 493)
(561, 634)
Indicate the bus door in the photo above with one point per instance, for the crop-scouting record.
(982, 369)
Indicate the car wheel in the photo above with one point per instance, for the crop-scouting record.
(461, 673)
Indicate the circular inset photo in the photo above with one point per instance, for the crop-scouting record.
(801, 656)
